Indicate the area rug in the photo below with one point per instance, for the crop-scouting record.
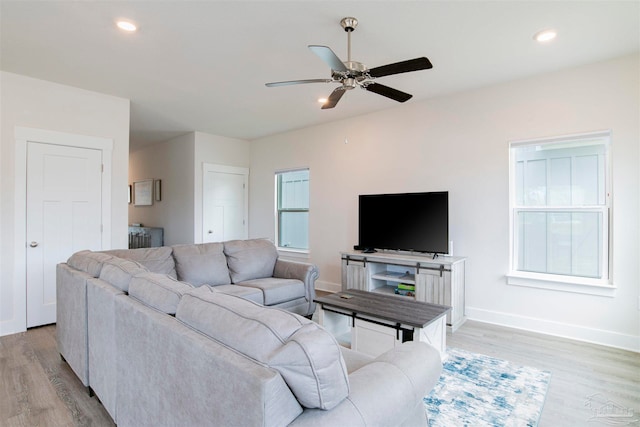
(478, 390)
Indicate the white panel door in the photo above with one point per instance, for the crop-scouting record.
(224, 205)
(63, 217)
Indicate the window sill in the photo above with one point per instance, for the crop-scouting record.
(293, 253)
(578, 285)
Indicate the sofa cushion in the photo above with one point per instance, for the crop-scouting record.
(159, 291)
(276, 290)
(156, 260)
(119, 272)
(312, 366)
(89, 262)
(202, 263)
(306, 355)
(250, 259)
(246, 292)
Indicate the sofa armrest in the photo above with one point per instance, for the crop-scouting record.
(385, 392)
(307, 273)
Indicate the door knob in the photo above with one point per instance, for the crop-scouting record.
(33, 244)
(210, 231)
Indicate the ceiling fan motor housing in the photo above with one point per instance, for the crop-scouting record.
(349, 24)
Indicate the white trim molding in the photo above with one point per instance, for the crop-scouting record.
(328, 286)
(577, 285)
(553, 328)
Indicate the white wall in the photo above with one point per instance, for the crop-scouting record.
(32, 103)
(459, 143)
(178, 163)
(171, 162)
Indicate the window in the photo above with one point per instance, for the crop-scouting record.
(560, 209)
(292, 205)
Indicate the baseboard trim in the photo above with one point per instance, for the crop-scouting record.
(328, 286)
(559, 329)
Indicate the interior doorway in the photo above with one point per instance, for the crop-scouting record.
(63, 216)
(21, 241)
(224, 203)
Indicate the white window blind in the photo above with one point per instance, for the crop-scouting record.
(560, 208)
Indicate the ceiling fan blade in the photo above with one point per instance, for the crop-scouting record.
(389, 92)
(297, 82)
(334, 98)
(401, 67)
(331, 59)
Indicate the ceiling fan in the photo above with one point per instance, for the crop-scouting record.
(352, 74)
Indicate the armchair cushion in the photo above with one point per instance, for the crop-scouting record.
(250, 259)
(275, 290)
(201, 264)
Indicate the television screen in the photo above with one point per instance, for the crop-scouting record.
(409, 222)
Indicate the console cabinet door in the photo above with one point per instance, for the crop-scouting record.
(434, 288)
(354, 275)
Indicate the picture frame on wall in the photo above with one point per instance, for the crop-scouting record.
(158, 190)
(143, 192)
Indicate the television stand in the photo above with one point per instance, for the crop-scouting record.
(436, 281)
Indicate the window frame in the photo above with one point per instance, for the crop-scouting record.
(594, 286)
(277, 213)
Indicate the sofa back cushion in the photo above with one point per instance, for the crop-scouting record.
(159, 291)
(201, 264)
(89, 262)
(250, 259)
(306, 355)
(156, 260)
(119, 272)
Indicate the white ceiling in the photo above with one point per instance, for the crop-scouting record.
(203, 65)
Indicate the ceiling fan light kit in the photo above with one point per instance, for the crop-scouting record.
(351, 74)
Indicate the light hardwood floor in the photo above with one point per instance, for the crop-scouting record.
(38, 389)
(579, 370)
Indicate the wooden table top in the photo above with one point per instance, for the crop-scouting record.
(404, 310)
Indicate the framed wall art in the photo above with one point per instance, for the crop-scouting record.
(143, 192)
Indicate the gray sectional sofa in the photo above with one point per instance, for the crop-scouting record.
(215, 334)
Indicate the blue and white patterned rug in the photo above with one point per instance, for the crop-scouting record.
(478, 390)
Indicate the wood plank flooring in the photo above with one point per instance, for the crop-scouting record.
(38, 389)
(579, 371)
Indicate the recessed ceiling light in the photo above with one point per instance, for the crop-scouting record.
(126, 26)
(545, 36)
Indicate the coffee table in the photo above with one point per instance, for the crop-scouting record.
(378, 322)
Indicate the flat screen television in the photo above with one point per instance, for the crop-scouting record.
(417, 222)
